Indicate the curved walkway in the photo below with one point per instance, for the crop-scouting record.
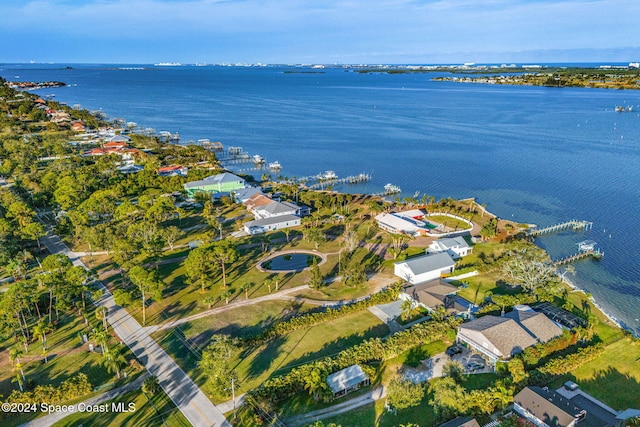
(346, 406)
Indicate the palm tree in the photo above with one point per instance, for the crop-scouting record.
(40, 330)
(114, 361)
(14, 355)
(209, 301)
(407, 307)
(226, 295)
(102, 337)
(245, 287)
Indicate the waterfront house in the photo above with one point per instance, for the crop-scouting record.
(223, 183)
(457, 247)
(503, 337)
(424, 268)
(347, 380)
(398, 223)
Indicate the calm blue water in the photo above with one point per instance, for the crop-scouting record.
(536, 155)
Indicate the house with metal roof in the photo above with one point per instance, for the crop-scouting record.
(274, 209)
(424, 268)
(457, 247)
(401, 223)
(347, 380)
(264, 225)
(222, 183)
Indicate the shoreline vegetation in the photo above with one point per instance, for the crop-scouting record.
(535, 75)
(135, 230)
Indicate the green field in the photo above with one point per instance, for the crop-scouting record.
(281, 354)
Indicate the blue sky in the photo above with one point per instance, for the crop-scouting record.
(328, 31)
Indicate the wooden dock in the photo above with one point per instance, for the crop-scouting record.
(593, 253)
(355, 179)
(568, 225)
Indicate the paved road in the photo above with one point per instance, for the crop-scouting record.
(191, 401)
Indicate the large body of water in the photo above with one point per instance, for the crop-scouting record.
(532, 154)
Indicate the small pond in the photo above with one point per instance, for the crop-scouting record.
(290, 262)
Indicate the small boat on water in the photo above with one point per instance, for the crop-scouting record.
(275, 165)
(623, 109)
(391, 189)
(258, 159)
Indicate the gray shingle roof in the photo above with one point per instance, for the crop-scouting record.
(504, 333)
(452, 242)
(537, 324)
(461, 422)
(271, 221)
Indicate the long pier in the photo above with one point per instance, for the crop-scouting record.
(568, 225)
(594, 253)
(355, 179)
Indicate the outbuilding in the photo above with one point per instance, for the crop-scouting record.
(347, 380)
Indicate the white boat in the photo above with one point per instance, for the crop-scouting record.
(391, 189)
(329, 175)
(275, 165)
(258, 159)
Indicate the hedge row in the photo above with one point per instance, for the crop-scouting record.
(313, 375)
(562, 365)
(70, 389)
(309, 319)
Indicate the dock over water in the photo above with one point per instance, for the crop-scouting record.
(568, 225)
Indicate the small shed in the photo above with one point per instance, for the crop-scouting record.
(347, 380)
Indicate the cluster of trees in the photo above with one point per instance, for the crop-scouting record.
(204, 262)
(71, 388)
(450, 399)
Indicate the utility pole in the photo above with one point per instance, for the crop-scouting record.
(233, 397)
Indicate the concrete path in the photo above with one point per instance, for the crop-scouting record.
(54, 417)
(346, 406)
(186, 395)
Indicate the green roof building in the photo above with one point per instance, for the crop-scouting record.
(215, 184)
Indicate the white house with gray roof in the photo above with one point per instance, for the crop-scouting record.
(275, 209)
(424, 268)
(347, 380)
(260, 226)
(457, 247)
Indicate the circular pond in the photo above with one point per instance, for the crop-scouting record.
(292, 261)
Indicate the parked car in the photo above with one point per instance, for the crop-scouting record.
(474, 366)
(454, 349)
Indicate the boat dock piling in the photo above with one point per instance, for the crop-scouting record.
(568, 225)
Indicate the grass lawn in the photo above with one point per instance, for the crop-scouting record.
(282, 354)
(614, 377)
(452, 223)
(157, 411)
